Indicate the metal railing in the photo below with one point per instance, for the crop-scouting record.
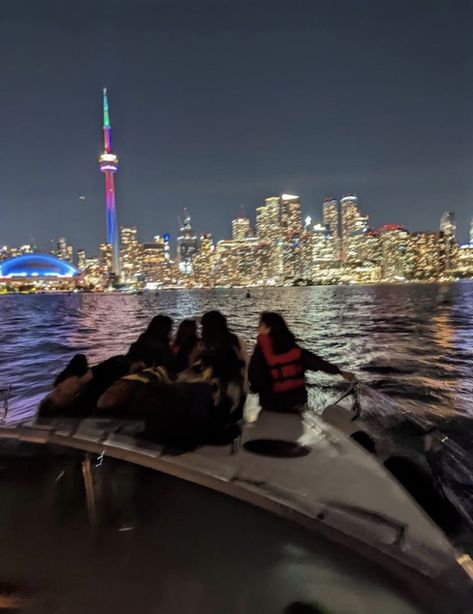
(6, 396)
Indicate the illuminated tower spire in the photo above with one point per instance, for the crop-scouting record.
(108, 163)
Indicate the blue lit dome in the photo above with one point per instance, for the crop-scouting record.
(37, 265)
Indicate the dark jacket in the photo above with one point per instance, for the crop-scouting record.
(262, 382)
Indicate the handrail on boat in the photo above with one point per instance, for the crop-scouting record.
(354, 389)
(6, 395)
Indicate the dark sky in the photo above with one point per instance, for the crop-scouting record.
(217, 104)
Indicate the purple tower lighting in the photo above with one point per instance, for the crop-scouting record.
(108, 163)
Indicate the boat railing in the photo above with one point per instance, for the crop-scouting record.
(5, 392)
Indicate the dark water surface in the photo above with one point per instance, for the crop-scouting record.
(413, 342)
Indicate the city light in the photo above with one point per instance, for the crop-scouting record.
(282, 249)
(108, 164)
(35, 265)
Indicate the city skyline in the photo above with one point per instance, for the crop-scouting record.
(320, 218)
(212, 114)
(281, 248)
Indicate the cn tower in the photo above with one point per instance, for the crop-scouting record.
(108, 163)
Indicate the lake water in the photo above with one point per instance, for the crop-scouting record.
(413, 342)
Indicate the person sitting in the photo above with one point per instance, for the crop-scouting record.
(216, 335)
(186, 345)
(222, 366)
(78, 386)
(123, 396)
(156, 342)
(278, 365)
(77, 366)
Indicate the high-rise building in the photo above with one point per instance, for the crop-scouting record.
(447, 224)
(240, 263)
(291, 221)
(268, 220)
(448, 228)
(204, 262)
(279, 224)
(64, 251)
(426, 256)
(324, 254)
(108, 164)
(153, 261)
(394, 250)
(352, 222)
(106, 258)
(131, 253)
(330, 217)
(292, 249)
(187, 245)
(463, 261)
(81, 259)
(240, 227)
(226, 266)
(249, 271)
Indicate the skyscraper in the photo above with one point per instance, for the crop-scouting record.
(64, 251)
(268, 220)
(394, 250)
(330, 217)
(131, 254)
(279, 223)
(448, 227)
(187, 245)
(269, 230)
(426, 256)
(240, 227)
(81, 259)
(108, 164)
(204, 262)
(291, 221)
(153, 260)
(352, 221)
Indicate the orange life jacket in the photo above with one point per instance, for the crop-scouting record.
(287, 370)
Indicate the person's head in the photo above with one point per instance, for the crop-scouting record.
(160, 328)
(140, 356)
(187, 330)
(274, 325)
(215, 331)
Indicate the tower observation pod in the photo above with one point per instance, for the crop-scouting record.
(108, 164)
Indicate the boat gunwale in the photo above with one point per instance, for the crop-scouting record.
(432, 589)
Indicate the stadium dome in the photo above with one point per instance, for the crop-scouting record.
(37, 265)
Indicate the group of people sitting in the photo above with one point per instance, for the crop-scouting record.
(192, 388)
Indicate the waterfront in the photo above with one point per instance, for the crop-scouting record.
(414, 342)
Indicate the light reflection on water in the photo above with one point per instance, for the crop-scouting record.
(414, 342)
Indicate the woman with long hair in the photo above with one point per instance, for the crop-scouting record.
(155, 342)
(222, 363)
(278, 366)
(186, 344)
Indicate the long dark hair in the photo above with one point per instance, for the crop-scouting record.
(159, 329)
(215, 332)
(281, 337)
(186, 333)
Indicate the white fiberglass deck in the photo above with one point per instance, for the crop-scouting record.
(336, 486)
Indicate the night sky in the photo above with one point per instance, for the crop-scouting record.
(217, 104)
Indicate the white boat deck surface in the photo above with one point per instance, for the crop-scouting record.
(337, 485)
